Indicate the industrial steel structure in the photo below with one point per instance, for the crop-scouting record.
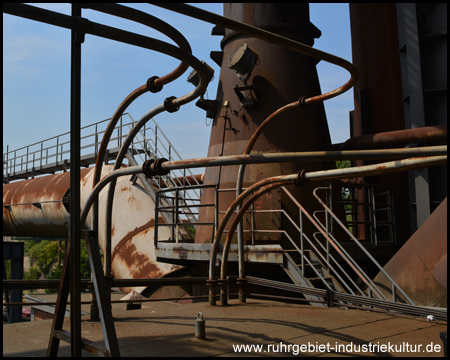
(272, 214)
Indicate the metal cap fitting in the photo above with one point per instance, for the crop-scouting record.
(302, 102)
(301, 179)
(151, 86)
(170, 106)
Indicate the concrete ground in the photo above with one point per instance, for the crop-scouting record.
(167, 329)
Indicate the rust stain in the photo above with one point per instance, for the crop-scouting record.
(132, 233)
(139, 264)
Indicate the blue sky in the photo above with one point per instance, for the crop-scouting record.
(36, 75)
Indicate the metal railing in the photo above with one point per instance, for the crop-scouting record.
(369, 211)
(55, 150)
(50, 155)
(330, 239)
(174, 205)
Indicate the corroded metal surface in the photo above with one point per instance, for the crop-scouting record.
(133, 250)
(420, 266)
(281, 77)
(35, 208)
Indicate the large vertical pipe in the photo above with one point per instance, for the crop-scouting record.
(281, 77)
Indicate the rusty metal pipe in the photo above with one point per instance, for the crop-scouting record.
(377, 169)
(110, 128)
(232, 207)
(272, 38)
(304, 156)
(110, 197)
(240, 178)
(163, 27)
(238, 219)
(423, 135)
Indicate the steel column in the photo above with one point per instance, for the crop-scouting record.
(75, 148)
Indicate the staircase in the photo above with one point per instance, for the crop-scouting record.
(315, 260)
(320, 261)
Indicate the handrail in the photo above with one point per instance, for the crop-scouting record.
(56, 149)
(174, 207)
(364, 250)
(372, 192)
(339, 249)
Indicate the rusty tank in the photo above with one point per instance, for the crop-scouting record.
(38, 208)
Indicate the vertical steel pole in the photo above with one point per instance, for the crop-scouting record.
(75, 208)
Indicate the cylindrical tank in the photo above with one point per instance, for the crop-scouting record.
(35, 208)
(280, 77)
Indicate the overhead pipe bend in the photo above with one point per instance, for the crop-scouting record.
(221, 228)
(155, 23)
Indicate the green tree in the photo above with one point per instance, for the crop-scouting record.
(56, 271)
(43, 254)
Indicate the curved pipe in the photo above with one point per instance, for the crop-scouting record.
(232, 207)
(255, 136)
(238, 219)
(272, 38)
(163, 27)
(205, 73)
(241, 170)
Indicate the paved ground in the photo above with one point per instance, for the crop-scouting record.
(167, 329)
